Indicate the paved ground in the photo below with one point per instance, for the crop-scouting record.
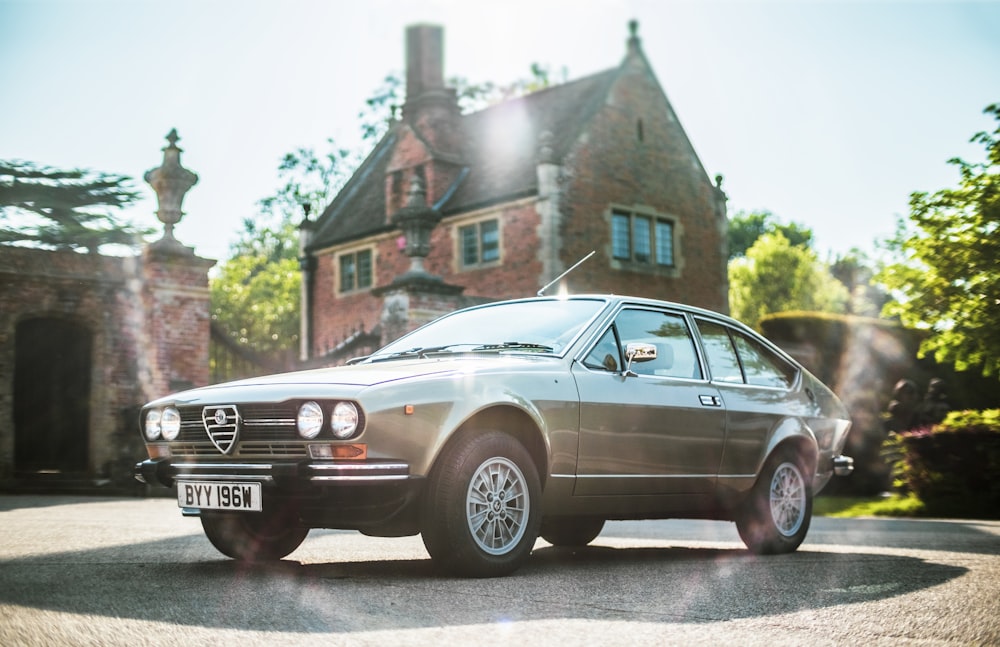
(95, 571)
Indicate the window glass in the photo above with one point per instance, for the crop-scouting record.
(722, 360)
(606, 355)
(480, 243)
(664, 243)
(364, 261)
(620, 239)
(347, 272)
(763, 367)
(356, 270)
(553, 323)
(675, 352)
(490, 234)
(470, 247)
(641, 237)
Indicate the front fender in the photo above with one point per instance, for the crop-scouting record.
(415, 422)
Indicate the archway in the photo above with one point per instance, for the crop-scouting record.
(51, 396)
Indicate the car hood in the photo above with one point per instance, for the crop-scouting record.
(342, 381)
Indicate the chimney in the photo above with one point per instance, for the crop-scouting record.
(431, 113)
(424, 60)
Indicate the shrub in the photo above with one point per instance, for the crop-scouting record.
(953, 467)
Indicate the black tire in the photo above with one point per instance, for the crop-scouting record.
(253, 536)
(777, 512)
(480, 513)
(571, 531)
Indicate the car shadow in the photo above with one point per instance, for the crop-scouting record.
(650, 584)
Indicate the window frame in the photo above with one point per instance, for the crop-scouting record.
(480, 242)
(624, 254)
(355, 255)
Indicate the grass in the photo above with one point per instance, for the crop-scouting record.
(893, 505)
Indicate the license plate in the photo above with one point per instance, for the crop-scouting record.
(219, 496)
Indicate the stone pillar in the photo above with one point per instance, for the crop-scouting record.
(416, 297)
(174, 280)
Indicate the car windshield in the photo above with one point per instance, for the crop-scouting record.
(543, 326)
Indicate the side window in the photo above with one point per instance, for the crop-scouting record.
(356, 270)
(763, 367)
(480, 243)
(722, 359)
(605, 356)
(675, 351)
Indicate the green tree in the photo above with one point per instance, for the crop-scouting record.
(747, 226)
(855, 270)
(256, 294)
(945, 277)
(64, 209)
(776, 276)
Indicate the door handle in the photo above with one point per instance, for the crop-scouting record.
(710, 400)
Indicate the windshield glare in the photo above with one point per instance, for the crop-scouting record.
(533, 326)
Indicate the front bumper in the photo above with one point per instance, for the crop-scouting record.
(376, 497)
(166, 471)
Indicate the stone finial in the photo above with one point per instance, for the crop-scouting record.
(417, 220)
(633, 36)
(171, 181)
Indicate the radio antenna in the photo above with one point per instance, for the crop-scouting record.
(558, 278)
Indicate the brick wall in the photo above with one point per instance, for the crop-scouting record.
(148, 322)
(611, 165)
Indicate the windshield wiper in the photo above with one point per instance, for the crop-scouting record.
(417, 351)
(516, 345)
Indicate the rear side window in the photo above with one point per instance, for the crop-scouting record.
(738, 358)
(722, 359)
(761, 366)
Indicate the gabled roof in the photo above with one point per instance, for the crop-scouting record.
(359, 208)
(503, 141)
(501, 147)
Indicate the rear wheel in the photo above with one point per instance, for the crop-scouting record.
(571, 531)
(480, 514)
(778, 510)
(253, 536)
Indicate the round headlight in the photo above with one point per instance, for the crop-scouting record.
(344, 421)
(170, 423)
(153, 424)
(309, 420)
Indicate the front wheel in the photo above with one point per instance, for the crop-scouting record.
(253, 536)
(776, 514)
(480, 513)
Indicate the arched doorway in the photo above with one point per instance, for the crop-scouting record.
(51, 396)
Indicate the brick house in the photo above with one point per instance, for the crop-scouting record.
(512, 196)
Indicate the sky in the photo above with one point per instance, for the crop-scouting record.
(825, 113)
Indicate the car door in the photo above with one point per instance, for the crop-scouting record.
(655, 427)
(757, 386)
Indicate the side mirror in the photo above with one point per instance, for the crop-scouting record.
(637, 352)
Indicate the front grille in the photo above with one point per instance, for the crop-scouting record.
(264, 430)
